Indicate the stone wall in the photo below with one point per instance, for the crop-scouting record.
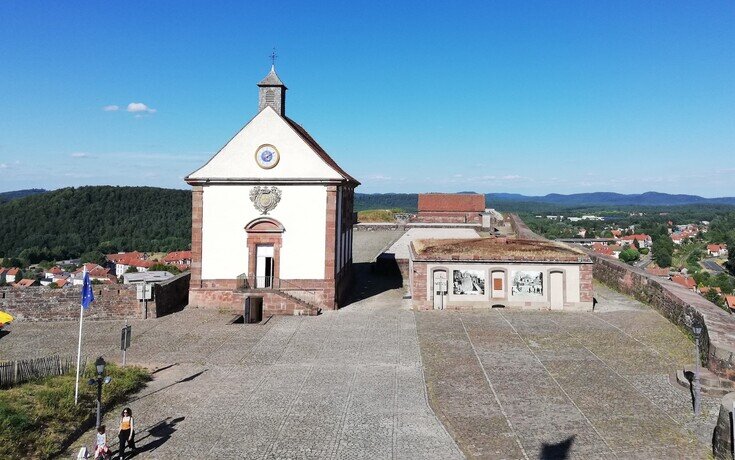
(111, 301)
(40, 303)
(679, 305)
(171, 295)
(274, 302)
(521, 229)
(447, 217)
(722, 437)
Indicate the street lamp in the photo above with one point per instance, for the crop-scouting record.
(99, 363)
(697, 330)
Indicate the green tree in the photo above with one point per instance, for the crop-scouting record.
(715, 298)
(93, 256)
(131, 269)
(662, 252)
(629, 255)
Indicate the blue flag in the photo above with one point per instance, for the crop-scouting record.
(87, 294)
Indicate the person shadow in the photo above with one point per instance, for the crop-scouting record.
(558, 451)
(157, 435)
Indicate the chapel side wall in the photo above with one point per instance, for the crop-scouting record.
(227, 209)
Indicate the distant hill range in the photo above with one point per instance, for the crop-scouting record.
(8, 196)
(39, 224)
(409, 201)
(610, 198)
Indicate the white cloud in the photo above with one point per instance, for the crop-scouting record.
(111, 108)
(512, 177)
(139, 107)
(4, 166)
(79, 155)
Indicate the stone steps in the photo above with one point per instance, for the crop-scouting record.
(710, 383)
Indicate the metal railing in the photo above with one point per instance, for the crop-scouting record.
(247, 282)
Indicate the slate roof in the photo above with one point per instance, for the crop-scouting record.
(451, 202)
(271, 79)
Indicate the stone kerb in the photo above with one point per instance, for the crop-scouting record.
(679, 305)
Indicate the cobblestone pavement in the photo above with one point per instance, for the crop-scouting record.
(511, 384)
(346, 384)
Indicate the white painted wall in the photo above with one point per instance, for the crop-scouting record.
(237, 158)
(227, 209)
(571, 276)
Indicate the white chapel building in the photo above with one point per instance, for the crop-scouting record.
(272, 217)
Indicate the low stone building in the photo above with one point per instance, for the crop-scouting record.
(455, 208)
(487, 272)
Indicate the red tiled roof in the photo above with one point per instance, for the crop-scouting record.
(716, 247)
(12, 271)
(451, 202)
(639, 237)
(124, 255)
(730, 300)
(685, 281)
(25, 283)
(177, 255)
(61, 282)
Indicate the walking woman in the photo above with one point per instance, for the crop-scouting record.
(127, 432)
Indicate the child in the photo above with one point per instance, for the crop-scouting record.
(100, 448)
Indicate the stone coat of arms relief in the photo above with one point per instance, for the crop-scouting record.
(265, 199)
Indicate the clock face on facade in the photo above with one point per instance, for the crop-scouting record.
(267, 156)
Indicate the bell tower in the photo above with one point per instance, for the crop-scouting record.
(272, 92)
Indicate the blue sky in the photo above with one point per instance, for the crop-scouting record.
(525, 97)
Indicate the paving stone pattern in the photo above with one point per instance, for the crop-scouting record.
(346, 384)
(511, 384)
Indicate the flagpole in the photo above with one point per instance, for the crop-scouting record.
(79, 346)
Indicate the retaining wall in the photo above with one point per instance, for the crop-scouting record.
(111, 301)
(722, 437)
(679, 305)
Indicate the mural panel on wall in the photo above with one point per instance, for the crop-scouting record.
(527, 283)
(469, 282)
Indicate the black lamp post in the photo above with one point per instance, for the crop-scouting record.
(99, 363)
(697, 330)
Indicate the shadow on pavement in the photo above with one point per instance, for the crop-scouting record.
(559, 451)
(157, 435)
(369, 282)
(184, 380)
(4, 333)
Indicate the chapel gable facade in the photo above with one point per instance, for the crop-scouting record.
(272, 217)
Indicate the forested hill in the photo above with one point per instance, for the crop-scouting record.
(68, 222)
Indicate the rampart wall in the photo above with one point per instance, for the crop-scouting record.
(111, 301)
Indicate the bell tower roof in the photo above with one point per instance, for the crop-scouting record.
(271, 79)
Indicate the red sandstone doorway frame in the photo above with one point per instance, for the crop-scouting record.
(264, 231)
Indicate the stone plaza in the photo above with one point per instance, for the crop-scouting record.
(378, 380)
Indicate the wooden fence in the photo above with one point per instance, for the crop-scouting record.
(16, 372)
